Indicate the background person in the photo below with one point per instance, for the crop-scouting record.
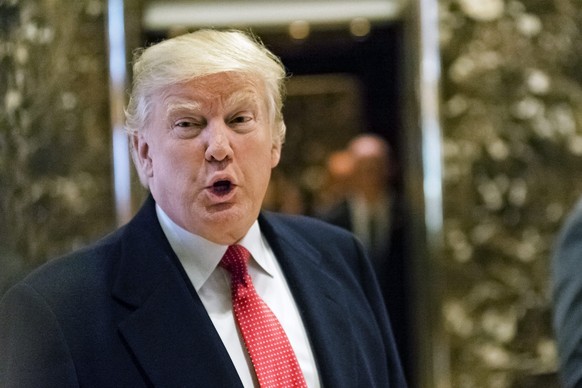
(567, 298)
(375, 212)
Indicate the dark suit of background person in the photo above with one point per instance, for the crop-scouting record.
(370, 184)
(567, 298)
(123, 312)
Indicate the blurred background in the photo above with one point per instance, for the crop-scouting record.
(481, 101)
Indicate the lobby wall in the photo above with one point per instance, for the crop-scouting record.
(512, 125)
(55, 158)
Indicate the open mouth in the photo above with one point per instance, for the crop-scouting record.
(222, 187)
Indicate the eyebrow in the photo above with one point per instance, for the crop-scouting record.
(242, 96)
(174, 107)
(239, 97)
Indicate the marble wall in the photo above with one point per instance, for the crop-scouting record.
(55, 159)
(512, 124)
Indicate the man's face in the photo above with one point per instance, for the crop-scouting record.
(207, 153)
(370, 166)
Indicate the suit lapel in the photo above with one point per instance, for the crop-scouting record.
(168, 330)
(318, 297)
(169, 333)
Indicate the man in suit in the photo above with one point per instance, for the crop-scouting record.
(375, 212)
(567, 298)
(151, 304)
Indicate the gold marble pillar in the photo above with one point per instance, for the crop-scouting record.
(512, 143)
(55, 147)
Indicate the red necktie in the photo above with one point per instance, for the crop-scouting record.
(271, 353)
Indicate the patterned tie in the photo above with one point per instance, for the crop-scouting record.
(271, 353)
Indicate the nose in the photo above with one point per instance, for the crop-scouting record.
(218, 143)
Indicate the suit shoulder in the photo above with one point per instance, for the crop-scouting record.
(75, 270)
(307, 226)
(571, 226)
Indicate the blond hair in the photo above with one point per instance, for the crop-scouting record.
(197, 54)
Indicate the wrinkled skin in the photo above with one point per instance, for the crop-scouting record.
(207, 154)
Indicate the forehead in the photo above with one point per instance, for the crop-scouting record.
(225, 88)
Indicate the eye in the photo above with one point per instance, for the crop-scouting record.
(241, 119)
(185, 123)
(187, 127)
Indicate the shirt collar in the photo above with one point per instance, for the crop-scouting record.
(200, 257)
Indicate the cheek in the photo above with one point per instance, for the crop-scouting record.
(256, 164)
(173, 161)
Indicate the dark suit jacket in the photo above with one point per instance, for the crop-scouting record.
(567, 297)
(121, 313)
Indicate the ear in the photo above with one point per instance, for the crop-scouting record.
(141, 157)
(275, 154)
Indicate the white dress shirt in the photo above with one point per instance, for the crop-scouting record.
(200, 259)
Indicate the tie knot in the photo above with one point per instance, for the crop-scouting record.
(235, 260)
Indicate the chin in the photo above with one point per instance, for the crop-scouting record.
(226, 235)
(228, 223)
